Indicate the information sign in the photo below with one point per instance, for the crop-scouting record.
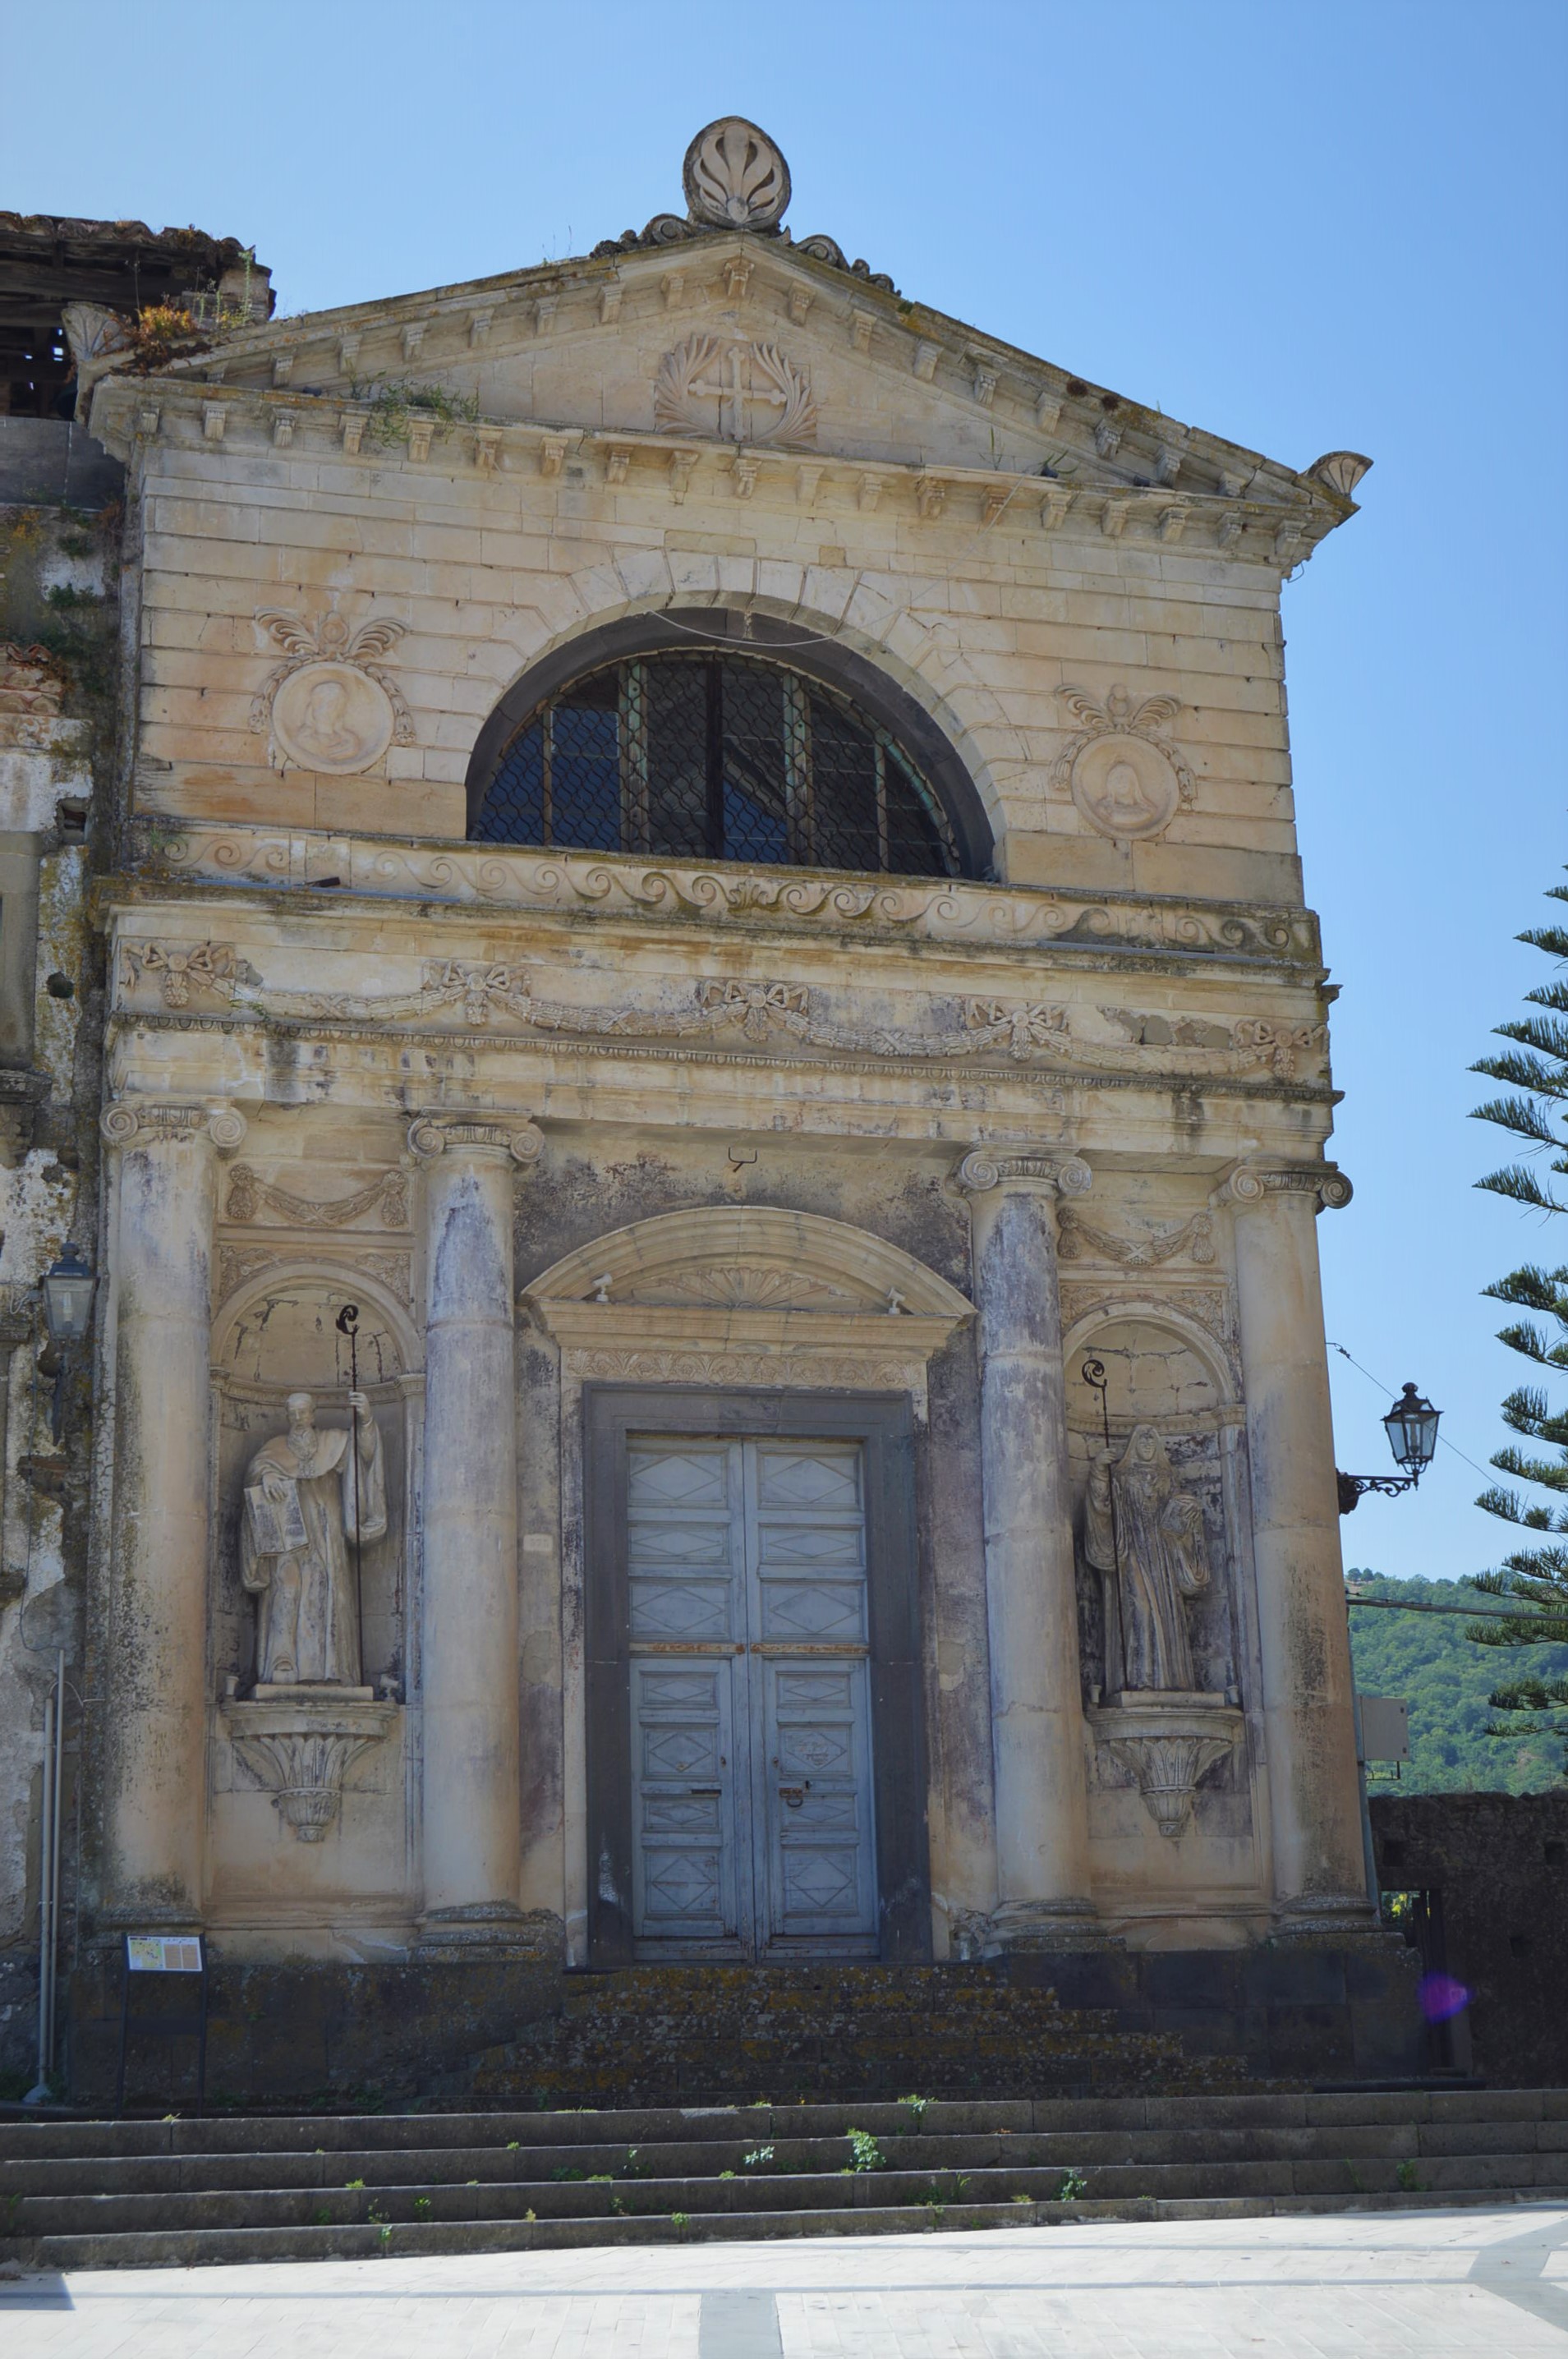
(162, 1954)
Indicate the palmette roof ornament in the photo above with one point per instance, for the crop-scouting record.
(735, 177)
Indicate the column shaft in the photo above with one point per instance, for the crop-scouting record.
(1314, 1801)
(470, 1676)
(155, 1701)
(1042, 1846)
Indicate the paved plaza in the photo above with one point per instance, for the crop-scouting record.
(1436, 2284)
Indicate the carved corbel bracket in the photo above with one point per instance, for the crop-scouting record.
(1249, 1185)
(985, 1167)
(129, 1123)
(430, 1134)
(1168, 1744)
(300, 1748)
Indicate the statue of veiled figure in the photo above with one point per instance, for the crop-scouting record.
(1142, 1529)
(305, 1500)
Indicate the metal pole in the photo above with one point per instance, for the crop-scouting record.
(1095, 1376)
(38, 2093)
(348, 1321)
(55, 1848)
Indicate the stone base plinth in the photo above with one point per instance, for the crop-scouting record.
(1313, 2006)
(306, 2030)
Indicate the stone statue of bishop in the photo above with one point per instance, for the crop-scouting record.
(1139, 1527)
(296, 1527)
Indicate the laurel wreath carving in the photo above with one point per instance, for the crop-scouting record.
(679, 391)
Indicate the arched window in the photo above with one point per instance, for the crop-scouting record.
(704, 756)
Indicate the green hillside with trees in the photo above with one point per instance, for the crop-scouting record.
(1428, 1659)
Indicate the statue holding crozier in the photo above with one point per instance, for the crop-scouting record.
(1144, 1531)
(310, 1496)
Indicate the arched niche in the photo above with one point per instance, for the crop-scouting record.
(1162, 1368)
(746, 630)
(278, 1334)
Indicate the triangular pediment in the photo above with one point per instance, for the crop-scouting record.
(739, 336)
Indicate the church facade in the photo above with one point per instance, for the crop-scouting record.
(715, 1102)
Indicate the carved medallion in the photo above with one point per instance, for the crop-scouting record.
(330, 708)
(1126, 780)
(735, 177)
(330, 717)
(734, 391)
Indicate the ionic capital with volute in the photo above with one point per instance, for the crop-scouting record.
(1247, 1185)
(1022, 1170)
(133, 1122)
(430, 1134)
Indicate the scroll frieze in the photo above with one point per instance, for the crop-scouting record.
(484, 996)
(970, 913)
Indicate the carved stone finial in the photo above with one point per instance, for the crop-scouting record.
(735, 177)
(1340, 470)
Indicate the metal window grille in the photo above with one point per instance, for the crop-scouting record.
(705, 757)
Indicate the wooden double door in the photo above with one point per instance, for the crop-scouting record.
(750, 1617)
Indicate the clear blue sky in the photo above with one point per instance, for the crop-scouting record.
(1307, 226)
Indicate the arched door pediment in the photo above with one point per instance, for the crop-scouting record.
(749, 1279)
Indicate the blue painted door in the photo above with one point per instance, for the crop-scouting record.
(751, 1699)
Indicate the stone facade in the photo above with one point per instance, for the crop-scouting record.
(979, 1173)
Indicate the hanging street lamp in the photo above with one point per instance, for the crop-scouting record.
(67, 1288)
(1412, 1427)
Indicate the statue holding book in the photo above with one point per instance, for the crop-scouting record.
(309, 1496)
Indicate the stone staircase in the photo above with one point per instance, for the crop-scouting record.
(673, 2035)
(179, 2193)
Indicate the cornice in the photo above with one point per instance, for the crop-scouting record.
(443, 326)
(132, 415)
(219, 865)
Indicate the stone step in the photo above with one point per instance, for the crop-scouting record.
(191, 2248)
(516, 2163)
(176, 2192)
(764, 2190)
(24, 2136)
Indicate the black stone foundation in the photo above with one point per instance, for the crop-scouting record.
(1296, 2008)
(310, 2033)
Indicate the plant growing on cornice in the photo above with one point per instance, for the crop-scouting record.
(391, 405)
(1534, 1577)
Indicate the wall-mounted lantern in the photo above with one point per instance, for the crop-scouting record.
(67, 1290)
(1412, 1427)
(67, 1286)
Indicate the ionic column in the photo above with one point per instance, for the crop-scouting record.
(155, 1663)
(1308, 1729)
(469, 1678)
(1043, 1843)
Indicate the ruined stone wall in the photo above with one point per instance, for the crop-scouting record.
(1499, 1863)
(59, 656)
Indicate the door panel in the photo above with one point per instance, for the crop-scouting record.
(750, 1697)
(817, 1736)
(684, 1856)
